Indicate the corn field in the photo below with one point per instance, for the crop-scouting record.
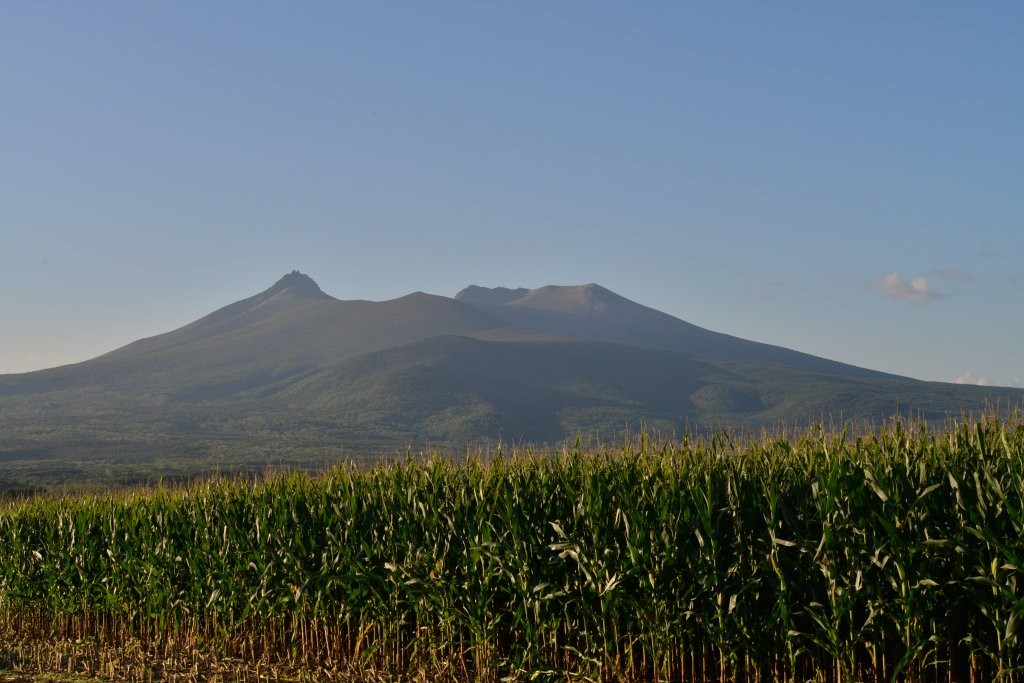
(893, 556)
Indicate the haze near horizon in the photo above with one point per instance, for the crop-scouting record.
(843, 181)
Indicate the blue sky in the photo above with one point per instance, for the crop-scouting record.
(842, 179)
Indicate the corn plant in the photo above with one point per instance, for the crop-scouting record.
(893, 554)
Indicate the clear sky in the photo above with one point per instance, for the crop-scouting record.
(845, 179)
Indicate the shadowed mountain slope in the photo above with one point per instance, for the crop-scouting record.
(291, 371)
(287, 330)
(593, 312)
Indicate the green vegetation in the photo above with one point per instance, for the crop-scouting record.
(293, 377)
(895, 555)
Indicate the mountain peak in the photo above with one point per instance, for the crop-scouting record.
(490, 295)
(299, 285)
(589, 291)
(587, 299)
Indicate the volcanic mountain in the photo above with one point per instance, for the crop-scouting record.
(293, 373)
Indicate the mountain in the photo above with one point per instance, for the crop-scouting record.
(286, 331)
(593, 312)
(294, 375)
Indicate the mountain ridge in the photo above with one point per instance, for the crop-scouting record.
(292, 370)
(606, 316)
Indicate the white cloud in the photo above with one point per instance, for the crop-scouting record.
(895, 287)
(970, 378)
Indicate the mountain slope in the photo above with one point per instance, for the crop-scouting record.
(293, 373)
(593, 312)
(285, 331)
(458, 388)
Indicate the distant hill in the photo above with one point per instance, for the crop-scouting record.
(294, 375)
(593, 312)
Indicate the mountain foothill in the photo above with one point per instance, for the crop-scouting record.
(293, 375)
